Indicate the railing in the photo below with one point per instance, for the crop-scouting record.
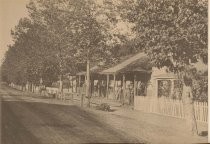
(170, 107)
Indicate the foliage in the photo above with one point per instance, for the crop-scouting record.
(26, 59)
(177, 94)
(58, 38)
(200, 89)
(172, 32)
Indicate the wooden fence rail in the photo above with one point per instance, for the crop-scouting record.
(169, 107)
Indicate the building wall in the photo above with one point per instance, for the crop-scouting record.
(157, 74)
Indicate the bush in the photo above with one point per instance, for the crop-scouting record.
(104, 107)
(200, 89)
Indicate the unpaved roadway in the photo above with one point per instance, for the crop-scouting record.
(26, 120)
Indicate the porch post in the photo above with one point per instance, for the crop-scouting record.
(79, 83)
(99, 85)
(124, 87)
(107, 86)
(76, 84)
(114, 85)
(156, 85)
(134, 85)
(72, 84)
(92, 85)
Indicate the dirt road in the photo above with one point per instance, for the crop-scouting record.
(29, 121)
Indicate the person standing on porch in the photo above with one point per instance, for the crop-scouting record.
(131, 91)
(103, 89)
(189, 106)
(128, 94)
(119, 92)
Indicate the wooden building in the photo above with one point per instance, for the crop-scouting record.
(135, 73)
(114, 82)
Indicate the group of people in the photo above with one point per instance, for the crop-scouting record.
(128, 98)
(118, 95)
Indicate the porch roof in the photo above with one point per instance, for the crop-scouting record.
(126, 65)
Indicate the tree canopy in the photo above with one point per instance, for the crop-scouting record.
(172, 32)
(56, 38)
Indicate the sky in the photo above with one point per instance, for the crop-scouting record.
(10, 13)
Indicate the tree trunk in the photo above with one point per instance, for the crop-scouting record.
(60, 90)
(60, 78)
(88, 83)
(79, 83)
(61, 84)
(72, 84)
(124, 89)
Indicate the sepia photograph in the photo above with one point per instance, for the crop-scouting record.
(103, 71)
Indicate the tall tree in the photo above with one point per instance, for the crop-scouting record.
(74, 29)
(29, 54)
(172, 32)
(53, 18)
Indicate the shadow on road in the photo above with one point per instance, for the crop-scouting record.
(13, 131)
(21, 121)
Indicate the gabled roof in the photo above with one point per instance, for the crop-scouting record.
(124, 64)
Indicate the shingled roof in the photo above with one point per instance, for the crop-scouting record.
(123, 65)
(130, 63)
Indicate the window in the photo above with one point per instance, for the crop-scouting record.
(164, 88)
(141, 89)
(177, 92)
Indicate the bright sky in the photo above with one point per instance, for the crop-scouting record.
(10, 12)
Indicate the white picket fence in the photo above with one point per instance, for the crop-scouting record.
(170, 107)
(53, 90)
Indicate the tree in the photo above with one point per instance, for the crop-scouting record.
(172, 32)
(64, 33)
(76, 31)
(56, 21)
(89, 36)
(26, 59)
